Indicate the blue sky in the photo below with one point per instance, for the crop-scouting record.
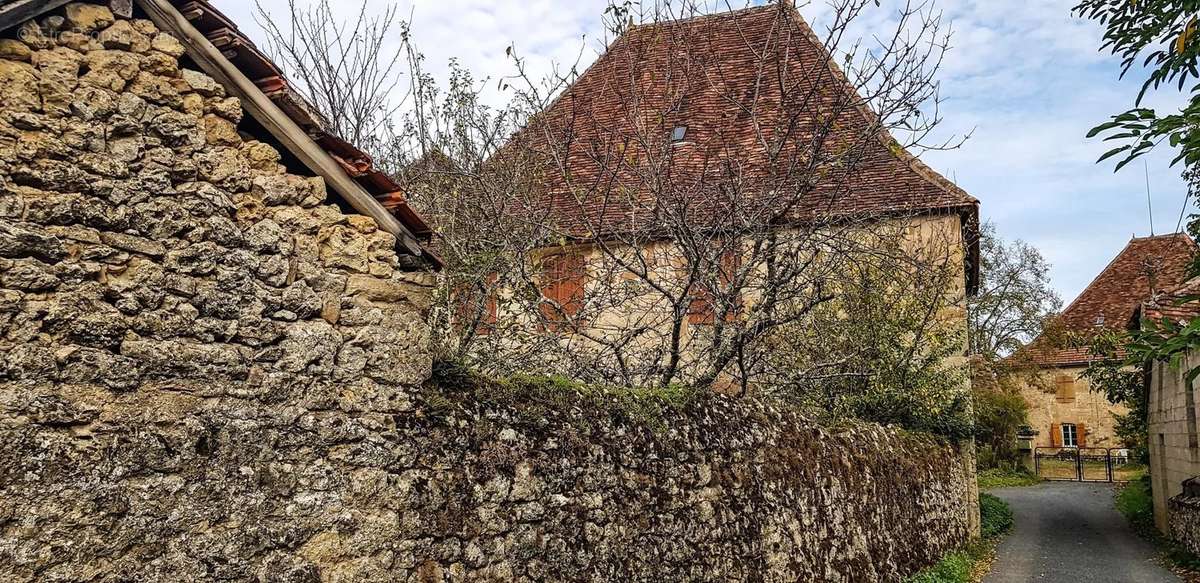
(1023, 76)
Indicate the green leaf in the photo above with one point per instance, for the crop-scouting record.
(1113, 152)
(1103, 128)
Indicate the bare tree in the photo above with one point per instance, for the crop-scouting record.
(709, 191)
(348, 70)
(670, 217)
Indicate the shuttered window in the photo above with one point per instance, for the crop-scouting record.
(476, 300)
(1064, 388)
(564, 276)
(702, 309)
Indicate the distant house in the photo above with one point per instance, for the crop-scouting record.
(1063, 409)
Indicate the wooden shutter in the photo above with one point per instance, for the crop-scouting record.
(466, 297)
(1055, 435)
(564, 278)
(702, 309)
(1081, 435)
(1065, 388)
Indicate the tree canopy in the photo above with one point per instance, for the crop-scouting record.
(1159, 37)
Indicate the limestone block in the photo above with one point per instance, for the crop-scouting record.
(262, 157)
(201, 83)
(224, 167)
(87, 17)
(110, 69)
(160, 64)
(189, 360)
(156, 89)
(20, 86)
(229, 108)
(167, 44)
(133, 243)
(221, 132)
(14, 50)
(122, 36)
(311, 346)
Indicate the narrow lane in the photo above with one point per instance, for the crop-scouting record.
(1070, 532)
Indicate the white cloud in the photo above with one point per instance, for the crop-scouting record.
(1024, 74)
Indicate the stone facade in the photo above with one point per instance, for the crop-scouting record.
(209, 372)
(1060, 396)
(145, 241)
(1174, 450)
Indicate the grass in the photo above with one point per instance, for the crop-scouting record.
(535, 396)
(1136, 502)
(1006, 478)
(995, 517)
(966, 564)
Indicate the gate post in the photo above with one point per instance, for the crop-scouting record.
(1078, 465)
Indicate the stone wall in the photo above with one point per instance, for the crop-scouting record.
(1174, 445)
(208, 372)
(467, 486)
(1184, 522)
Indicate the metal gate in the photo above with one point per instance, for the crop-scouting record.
(1083, 464)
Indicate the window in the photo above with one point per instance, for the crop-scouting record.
(1070, 435)
(702, 309)
(678, 134)
(563, 279)
(1064, 388)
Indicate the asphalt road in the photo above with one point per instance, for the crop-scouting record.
(1070, 532)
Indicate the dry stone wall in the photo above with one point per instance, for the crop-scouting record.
(210, 373)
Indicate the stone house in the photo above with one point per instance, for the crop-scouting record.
(1063, 409)
(686, 77)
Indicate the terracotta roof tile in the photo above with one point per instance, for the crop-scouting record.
(1146, 267)
(705, 73)
(1180, 304)
(257, 66)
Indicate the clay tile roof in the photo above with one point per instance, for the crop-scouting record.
(704, 63)
(236, 47)
(1144, 269)
(1180, 304)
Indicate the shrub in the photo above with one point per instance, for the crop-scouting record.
(1135, 501)
(953, 568)
(999, 413)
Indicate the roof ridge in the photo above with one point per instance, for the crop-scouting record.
(889, 142)
(1174, 235)
(711, 15)
(1110, 265)
(1107, 266)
